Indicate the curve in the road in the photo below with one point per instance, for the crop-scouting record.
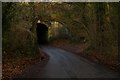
(63, 64)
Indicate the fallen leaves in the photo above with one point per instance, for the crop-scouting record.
(13, 66)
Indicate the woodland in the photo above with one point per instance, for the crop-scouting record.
(86, 29)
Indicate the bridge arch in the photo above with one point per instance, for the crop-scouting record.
(42, 33)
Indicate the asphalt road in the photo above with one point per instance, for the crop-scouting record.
(63, 64)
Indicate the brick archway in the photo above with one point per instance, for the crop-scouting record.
(42, 33)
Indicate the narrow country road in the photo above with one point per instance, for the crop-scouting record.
(63, 64)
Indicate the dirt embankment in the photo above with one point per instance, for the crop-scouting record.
(15, 65)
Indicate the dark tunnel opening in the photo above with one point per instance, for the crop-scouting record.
(42, 34)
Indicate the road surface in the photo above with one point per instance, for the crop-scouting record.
(63, 64)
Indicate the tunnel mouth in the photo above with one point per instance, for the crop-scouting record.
(42, 34)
